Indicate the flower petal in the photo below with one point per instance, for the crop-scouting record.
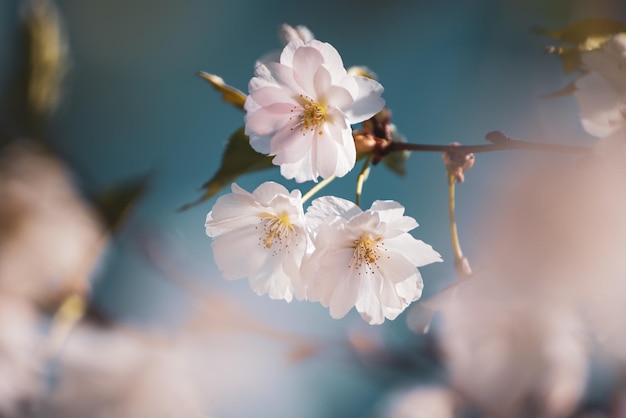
(345, 150)
(326, 152)
(301, 171)
(335, 96)
(368, 101)
(326, 207)
(344, 295)
(269, 95)
(284, 76)
(306, 62)
(330, 54)
(286, 57)
(267, 192)
(228, 249)
(268, 120)
(416, 251)
(293, 144)
(368, 303)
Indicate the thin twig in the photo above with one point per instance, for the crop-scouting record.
(499, 142)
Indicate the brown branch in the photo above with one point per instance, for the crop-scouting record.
(499, 142)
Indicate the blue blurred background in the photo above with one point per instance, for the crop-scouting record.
(453, 70)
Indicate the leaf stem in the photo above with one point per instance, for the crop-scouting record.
(319, 186)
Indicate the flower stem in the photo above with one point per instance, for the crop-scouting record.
(461, 263)
(319, 186)
(365, 171)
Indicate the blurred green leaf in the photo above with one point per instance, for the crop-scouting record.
(582, 32)
(37, 71)
(396, 161)
(583, 35)
(229, 94)
(114, 203)
(48, 56)
(239, 158)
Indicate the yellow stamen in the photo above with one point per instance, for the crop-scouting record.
(312, 116)
(367, 252)
(276, 230)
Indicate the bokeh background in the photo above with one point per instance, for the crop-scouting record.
(132, 106)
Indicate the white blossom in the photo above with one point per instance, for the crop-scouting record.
(423, 401)
(366, 259)
(49, 237)
(601, 92)
(261, 236)
(510, 351)
(300, 109)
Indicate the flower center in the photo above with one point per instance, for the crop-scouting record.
(313, 115)
(367, 252)
(276, 231)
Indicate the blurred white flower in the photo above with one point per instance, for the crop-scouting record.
(517, 336)
(601, 91)
(510, 352)
(300, 109)
(422, 402)
(19, 355)
(365, 259)
(262, 236)
(50, 237)
(114, 372)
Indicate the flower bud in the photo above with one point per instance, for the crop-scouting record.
(288, 33)
(457, 162)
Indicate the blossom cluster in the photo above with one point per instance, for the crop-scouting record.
(336, 253)
(300, 111)
(520, 337)
(537, 328)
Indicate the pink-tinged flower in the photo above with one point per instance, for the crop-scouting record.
(262, 236)
(601, 92)
(300, 109)
(43, 218)
(423, 401)
(510, 349)
(365, 259)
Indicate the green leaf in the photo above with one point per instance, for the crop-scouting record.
(229, 94)
(114, 203)
(396, 161)
(239, 158)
